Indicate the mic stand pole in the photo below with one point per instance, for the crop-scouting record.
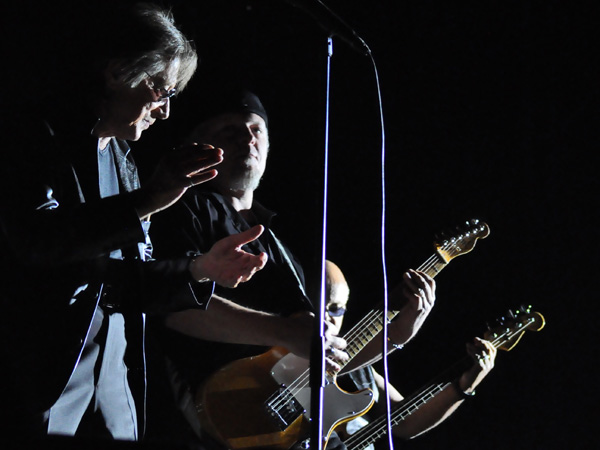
(317, 356)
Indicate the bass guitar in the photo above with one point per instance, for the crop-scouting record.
(504, 337)
(264, 401)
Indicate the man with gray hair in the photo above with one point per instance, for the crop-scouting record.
(77, 261)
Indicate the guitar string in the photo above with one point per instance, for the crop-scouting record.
(365, 325)
(350, 337)
(377, 428)
(418, 400)
(279, 399)
(368, 320)
(302, 381)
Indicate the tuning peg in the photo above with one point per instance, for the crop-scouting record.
(475, 226)
(526, 309)
(491, 332)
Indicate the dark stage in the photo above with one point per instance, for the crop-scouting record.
(491, 112)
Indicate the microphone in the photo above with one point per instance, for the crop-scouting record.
(331, 23)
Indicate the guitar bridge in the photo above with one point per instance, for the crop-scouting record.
(283, 408)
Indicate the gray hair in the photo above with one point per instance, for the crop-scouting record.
(148, 42)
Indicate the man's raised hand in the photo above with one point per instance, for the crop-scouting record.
(226, 263)
(182, 168)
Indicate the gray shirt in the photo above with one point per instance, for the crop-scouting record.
(98, 387)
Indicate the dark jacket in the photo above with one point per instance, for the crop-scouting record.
(56, 234)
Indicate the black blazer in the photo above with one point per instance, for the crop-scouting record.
(56, 234)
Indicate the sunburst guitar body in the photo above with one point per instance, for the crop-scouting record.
(264, 401)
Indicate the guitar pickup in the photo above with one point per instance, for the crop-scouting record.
(283, 408)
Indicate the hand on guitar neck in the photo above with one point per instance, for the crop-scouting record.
(437, 400)
(296, 337)
(483, 354)
(274, 387)
(415, 297)
(427, 408)
(410, 303)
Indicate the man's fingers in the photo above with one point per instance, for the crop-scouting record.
(254, 264)
(194, 151)
(338, 355)
(200, 178)
(336, 342)
(263, 258)
(194, 158)
(419, 286)
(247, 236)
(411, 280)
(332, 366)
(200, 163)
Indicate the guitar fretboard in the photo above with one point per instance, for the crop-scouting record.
(505, 339)
(372, 324)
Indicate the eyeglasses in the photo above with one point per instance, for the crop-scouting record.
(161, 93)
(164, 94)
(336, 311)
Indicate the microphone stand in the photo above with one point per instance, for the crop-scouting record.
(317, 355)
(334, 25)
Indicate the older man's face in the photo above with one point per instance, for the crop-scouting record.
(129, 111)
(245, 142)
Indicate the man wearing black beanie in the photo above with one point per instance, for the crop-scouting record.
(273, 310)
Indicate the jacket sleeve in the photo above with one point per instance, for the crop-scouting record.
(43, 219)
(159, 286)
(178, 234)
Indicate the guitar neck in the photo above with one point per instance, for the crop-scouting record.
(372, 324)
(505, 339)
(365, 437)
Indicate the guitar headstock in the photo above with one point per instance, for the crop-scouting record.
(462, 240)
(511, 327)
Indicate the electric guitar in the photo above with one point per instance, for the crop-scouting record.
(503, 337)
(264, 401)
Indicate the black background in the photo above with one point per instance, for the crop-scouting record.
(490, 112)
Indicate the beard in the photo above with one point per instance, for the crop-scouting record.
(245, 179)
